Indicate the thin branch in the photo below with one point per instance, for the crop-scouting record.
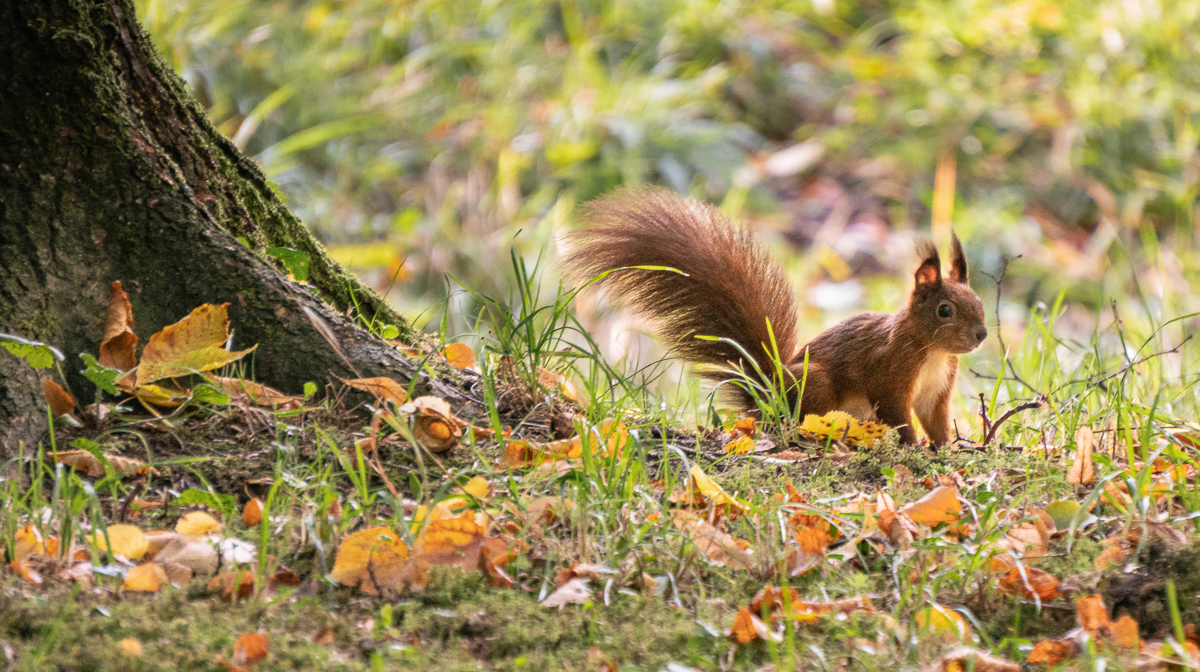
(1036, 403)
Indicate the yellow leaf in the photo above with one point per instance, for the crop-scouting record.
(363, 552)
(714, 493)
(941, 505)
(459, 355)
(382, 388)
(943, 621)
(191, 345)
(145, 578)
(742, 445)
(160, 396)
(28, 542)
(842, 426)
(127, 540)
(477, 487)
(130, 646)
(197, 523)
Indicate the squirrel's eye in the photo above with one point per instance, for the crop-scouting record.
(945, 310)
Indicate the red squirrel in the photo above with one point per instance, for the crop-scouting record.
(876, 366)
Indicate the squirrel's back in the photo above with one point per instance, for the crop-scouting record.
(730, 290)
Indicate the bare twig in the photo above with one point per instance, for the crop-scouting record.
(1036, 403)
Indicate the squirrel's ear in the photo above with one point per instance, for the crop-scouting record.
(930, 270)
(958, 262)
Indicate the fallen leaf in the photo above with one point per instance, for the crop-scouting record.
(459, 355)
(191, 345)
(704, 491)
(574, 591)
(117, 347)
(85, 462)
(434, 424)
(1091, 614)
(252, 512)
(742, 445)
(1033, 582)
(941, 505)
(61, 402)
(28, 541)
(249, 649)
(197, 523)
(383, 388)
(198, 554)
(127, 541)
(1052, 652)
(227, 583)
(842, 426)
(144, 578)
(25, 570)
(720, 548)
(361, 553)
(241, 390)
(943, 621)
(1083, 471)
(1123, 632)
(130, 646)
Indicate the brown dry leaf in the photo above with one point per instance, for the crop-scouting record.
(1034, 582)
(941, 505)
(1083, 471)
(1091, 614)
(252, 512)
(434, 424)
(743, 630)
(25, 570)
(901, 529)
(459, 355)
(1052, 652)
(556, 381)
(745, 427)
(383, 388)
(803, 610)
(197, 524)
(61, 402)
(144, 578)
(226, 583)
(191, 345)
(127, 541)
(362, 553)
(87, 463)
(966, 658)
(249, 649)
(575, 591)
(118, 346)
(130, 646)
(248, 391)
(1030, 539)
(323, 637)
(1111, 556)
(720, 548)
(197, 554)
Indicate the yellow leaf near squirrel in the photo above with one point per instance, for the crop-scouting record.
(842, 426)
(127, 541)
(197, 523)
(742, 445)
(191, 345)
(943, 621)
(704, 487)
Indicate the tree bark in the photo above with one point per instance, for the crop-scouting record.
(109, 170)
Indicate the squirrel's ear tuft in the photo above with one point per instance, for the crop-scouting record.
(958, 262)
(930, 270)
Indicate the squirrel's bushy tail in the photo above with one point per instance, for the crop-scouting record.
(731, 289)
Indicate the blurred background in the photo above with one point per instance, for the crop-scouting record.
(422, 140)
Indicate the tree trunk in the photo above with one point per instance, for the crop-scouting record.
(109, 170)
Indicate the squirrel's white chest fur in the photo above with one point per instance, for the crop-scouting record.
(932, 380)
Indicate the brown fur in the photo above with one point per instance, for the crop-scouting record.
(873, 364)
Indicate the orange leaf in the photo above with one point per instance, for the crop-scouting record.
(941, 505)
(1034, 582)
(130, 646)
(743, 630)
(23, 569)
(144, 578)
(1113, 555)
(742, 445)
(382, 388)
(252, 512)
(1124, 632)
(965, 658)
(1051, 652)
(459, 355)
(745, 427)
(61, 401)
(1091, 615)
(720, 548)
(249, 649)
(117, 348)
(226, 583)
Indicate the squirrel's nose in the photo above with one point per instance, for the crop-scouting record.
(980, 333)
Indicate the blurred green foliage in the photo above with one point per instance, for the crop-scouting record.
(434, 130)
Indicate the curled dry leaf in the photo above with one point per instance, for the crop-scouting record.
(434, 424)
(249, 392)
(117, 347)
(196, 524)
(127, 541)
(61, 402)
(383, 388)
(1030, 583)
(1083, 471)
(720, 548)
(252, 512)
(191, 345)
(86, 463)
(145, 578)
(1052, 652)
(575, 591)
